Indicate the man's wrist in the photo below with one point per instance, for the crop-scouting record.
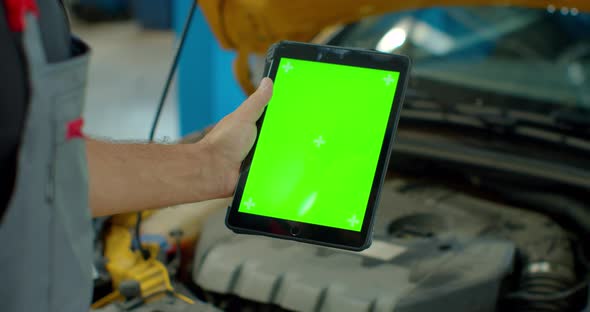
(212, 177)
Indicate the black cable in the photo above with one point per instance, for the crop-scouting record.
(185, 30)
(174, 265)
(144, 252)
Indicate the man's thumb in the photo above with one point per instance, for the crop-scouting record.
(253, 107)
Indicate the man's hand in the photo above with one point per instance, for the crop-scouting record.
(232, 138)
(133, 177)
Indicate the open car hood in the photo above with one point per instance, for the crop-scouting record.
(251, 26)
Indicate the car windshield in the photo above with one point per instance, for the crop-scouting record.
(541, 55)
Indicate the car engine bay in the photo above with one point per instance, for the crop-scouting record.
(433, 246)
(485, 206)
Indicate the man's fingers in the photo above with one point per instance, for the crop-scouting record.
(253, 107)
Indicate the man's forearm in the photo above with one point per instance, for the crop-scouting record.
(133, 177)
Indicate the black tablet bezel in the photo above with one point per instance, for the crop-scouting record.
(310, 233)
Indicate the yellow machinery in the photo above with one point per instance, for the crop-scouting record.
(124, 264)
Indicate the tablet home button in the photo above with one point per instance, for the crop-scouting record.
(295, 230)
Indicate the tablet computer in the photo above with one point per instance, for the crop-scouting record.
(324, 141)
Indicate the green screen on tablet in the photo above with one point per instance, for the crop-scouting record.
(319, 144)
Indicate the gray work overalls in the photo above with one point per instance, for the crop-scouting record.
(46, 234)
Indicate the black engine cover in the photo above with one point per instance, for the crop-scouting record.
(432, 251)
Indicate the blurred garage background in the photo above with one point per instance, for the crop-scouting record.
(133, 44)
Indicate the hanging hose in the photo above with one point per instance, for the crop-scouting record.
(171, 71)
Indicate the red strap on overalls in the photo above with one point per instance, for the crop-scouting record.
(16, 10)
(74, 129)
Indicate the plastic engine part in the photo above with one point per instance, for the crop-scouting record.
(426, 255)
